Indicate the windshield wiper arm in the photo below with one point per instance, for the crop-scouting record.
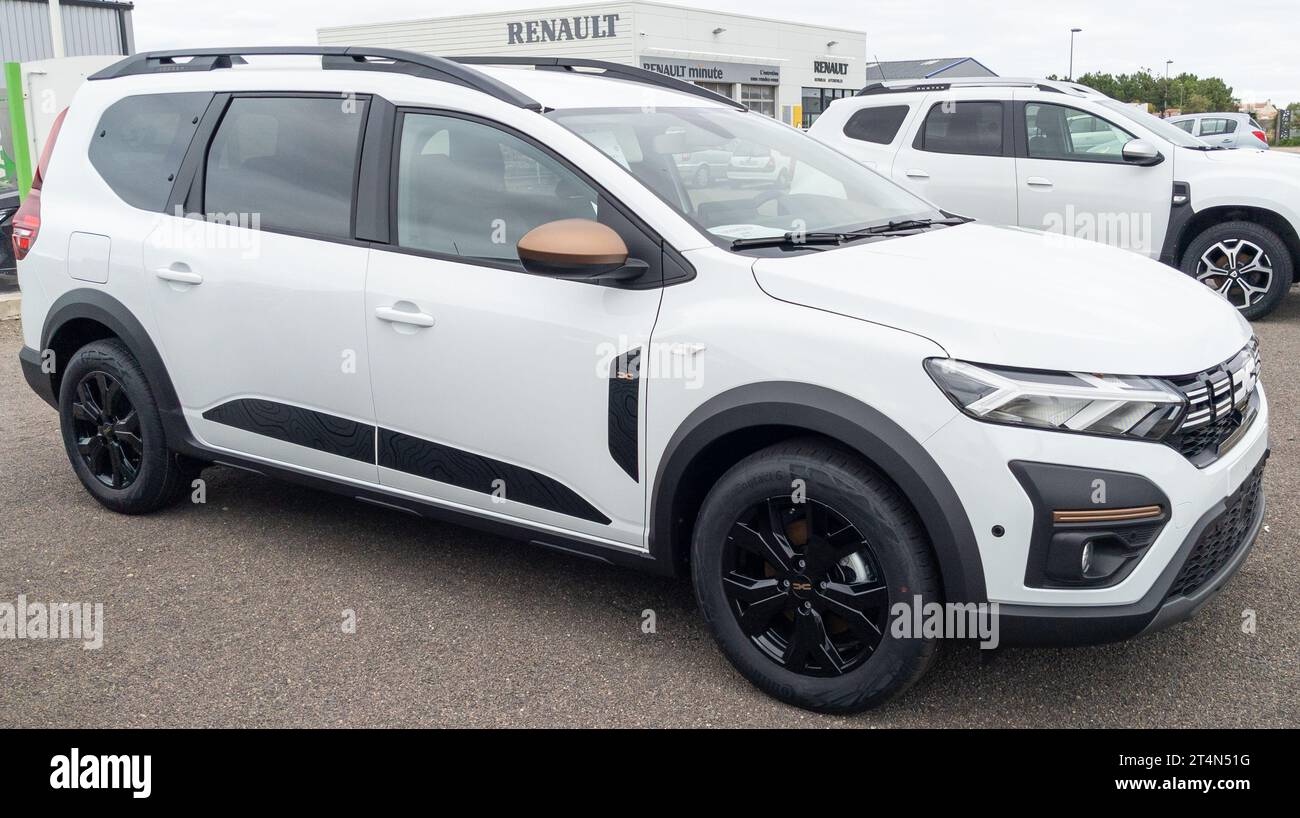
(910, 224)
(792, 239)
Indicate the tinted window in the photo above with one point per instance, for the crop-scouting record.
(1060, 132)
(1218, 125)
(1186, 124)
(289, 160)
(964, 127)
(468, 189)
(878, 125)
(140, 141)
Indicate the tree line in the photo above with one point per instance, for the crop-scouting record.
(1187, 92)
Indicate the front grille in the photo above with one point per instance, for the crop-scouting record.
(1222, 539)
(1219, 402)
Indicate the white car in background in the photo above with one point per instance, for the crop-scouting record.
(1230, 130)
(1062, 157)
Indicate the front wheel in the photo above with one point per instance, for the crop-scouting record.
(1244, 262)
(800, 552)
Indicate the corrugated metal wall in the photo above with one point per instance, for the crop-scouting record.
(87, 29)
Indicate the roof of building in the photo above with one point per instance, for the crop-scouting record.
(924, 69)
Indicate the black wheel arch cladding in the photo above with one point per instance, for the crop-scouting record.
(102, 308)
(805, 408)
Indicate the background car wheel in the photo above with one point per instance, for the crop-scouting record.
(113, 432)
(1246, 263)
(797, 589)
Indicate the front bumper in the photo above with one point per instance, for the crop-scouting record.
(1204, 563)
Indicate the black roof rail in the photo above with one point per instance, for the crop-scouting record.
(879, 87)
(611, 69)
(352, 58)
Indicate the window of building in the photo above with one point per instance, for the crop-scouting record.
(289, 160)
(876, 124)
(468, 189)
(815, 101)
(140, 141)
(973, 128)
(726, 89)
(761, 98)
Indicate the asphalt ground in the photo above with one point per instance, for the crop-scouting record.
(231, 613)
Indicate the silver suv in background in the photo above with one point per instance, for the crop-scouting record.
(1224, 130)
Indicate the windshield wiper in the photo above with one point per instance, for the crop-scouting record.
(910, 224)
(792, 239)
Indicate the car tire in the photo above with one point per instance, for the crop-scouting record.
(737, 577)
(1223, 257)
(113, 432)
(702, 176)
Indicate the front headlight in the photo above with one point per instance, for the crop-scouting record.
(1117, 405)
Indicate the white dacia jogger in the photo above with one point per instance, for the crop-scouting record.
(482, 290)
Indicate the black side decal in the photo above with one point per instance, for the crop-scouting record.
(293, 424)
(434, 461)
(624, 391)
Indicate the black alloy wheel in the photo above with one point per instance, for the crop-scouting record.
(107, 430)
(805, 586)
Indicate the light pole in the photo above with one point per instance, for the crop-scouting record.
(1164, 107)
(1073, 32)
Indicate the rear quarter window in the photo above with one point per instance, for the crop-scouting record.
(877, 124)
(140, 141)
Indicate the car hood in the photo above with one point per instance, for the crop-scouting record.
(1003, 295)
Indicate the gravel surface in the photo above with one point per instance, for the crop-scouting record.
(230, 614)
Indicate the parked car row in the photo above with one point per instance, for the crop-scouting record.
(1061, 157)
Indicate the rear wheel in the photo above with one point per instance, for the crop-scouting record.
(113, 433)
(1246, 263)
(702, 176)
(799, 553)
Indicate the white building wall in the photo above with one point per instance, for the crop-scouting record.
(748, 50)
(490, 34)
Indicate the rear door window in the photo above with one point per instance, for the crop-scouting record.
(140, 141)
(973, 128)
(1213, 126)
(876, 124)
(286, 164)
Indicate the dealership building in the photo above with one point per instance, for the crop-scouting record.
(784, 69)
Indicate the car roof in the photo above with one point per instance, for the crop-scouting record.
(937, 85)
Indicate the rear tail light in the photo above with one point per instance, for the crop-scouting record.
(27, 221)
(1260, 135)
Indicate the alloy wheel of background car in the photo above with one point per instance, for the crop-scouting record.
(1238, 269)
(1245, 262)
(107, 430)
(702, 177)
(805, 586)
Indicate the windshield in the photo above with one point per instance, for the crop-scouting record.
(1160, 127)
(740, 175)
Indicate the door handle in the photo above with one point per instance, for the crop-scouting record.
(914, 173)
(396, 316)
(1038, 181)
(179, 273)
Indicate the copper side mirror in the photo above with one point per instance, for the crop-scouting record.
(572, 248)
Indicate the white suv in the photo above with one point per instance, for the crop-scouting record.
(493, 295)
(1064, 158)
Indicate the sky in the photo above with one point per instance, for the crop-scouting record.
(1254, 47)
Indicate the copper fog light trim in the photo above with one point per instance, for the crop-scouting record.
(1107, 515)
